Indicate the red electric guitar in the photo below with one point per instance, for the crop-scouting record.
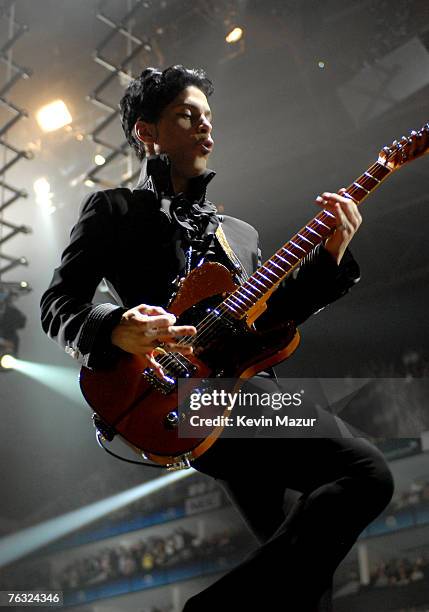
(143, 410)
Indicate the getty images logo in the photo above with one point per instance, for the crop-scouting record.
(227, 400)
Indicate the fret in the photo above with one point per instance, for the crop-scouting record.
(245, 297)
(251, 294)
(277, 266)
(255, 279)
(313, 231)
(248, 299)
(235, 296)
(372, 177)
(321, 223)
(271, 272)
(283, 259)
(381, 169)
(230, 306)
(297, 246)
(360, 187)
(306, 239)
(290, 253)
(263, 275)
(326, 212)
(347, 195)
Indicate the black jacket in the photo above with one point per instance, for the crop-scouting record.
(126, 237)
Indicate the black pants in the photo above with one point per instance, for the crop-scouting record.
(343, 484)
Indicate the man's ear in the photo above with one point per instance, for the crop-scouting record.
(145, 132)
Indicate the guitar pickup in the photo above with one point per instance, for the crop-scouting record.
(165, 386)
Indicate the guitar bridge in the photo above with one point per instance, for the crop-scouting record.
(165, 385)
(178, 367)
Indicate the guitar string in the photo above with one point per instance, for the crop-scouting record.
(363, 181)
(354, 187)
(207, 327)
(358, 184)
(241, 272)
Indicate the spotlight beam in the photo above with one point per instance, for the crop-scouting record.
(26, 541)
(60, 379)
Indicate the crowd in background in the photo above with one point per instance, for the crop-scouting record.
(400, 571)
(144, 557)
(417, 493)
(396, 572)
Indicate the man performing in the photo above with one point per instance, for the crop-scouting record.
(160, 231)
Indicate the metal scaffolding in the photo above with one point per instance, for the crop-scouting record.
(11, 318)
(120, 31)
(10, 155)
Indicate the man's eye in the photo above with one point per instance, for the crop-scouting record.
(184, 115)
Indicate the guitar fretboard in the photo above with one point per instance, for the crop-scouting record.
(290, 255)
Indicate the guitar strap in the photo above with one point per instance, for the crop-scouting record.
(236, 263)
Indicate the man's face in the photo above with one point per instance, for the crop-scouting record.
(184, 132)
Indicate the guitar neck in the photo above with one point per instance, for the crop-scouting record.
(258, 288)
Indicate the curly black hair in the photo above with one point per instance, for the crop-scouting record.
(146, 97)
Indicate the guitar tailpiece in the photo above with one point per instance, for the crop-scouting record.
(183, 463)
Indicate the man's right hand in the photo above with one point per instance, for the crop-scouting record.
(143, 328)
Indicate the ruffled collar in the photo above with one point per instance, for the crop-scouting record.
(191, 212)
(155, 175)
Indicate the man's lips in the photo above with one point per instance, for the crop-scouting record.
(206, 145)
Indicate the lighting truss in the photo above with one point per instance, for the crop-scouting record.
(10, 155)
(119, 32)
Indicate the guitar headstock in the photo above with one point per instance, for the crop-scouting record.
(405, 150)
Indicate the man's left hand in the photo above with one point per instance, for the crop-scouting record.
(348, 221)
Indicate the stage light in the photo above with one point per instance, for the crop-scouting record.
(53, 116)
(321, 64)
(44, 196)
(41, 186)
(7, 362)
(26, 541)
(234, 35)
(99, 160)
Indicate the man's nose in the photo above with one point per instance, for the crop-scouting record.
(205, 125)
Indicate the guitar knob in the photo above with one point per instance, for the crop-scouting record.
(171, 420)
